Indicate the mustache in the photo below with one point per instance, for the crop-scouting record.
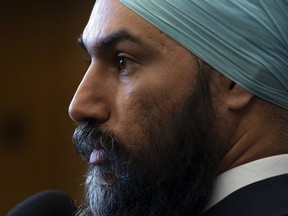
(88, 136)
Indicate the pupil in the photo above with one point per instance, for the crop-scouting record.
(122, 63)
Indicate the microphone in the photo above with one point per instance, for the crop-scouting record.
(47, 203)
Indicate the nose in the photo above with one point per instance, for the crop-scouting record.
(90, 100)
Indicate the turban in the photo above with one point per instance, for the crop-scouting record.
(245, 40)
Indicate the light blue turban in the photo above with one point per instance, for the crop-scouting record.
(246, 40)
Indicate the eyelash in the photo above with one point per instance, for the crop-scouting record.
(88, 60)
(118, 61)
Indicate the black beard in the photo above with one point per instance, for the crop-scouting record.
(175, 177)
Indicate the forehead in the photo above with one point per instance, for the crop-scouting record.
(109, 16)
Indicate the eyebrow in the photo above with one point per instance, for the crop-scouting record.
(109, 41)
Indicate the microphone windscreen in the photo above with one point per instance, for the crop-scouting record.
(47, 203)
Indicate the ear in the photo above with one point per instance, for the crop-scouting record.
(237, 97)
(232, 94)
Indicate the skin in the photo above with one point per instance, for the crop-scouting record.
(162, 72)
(160, 69)
(135, 88)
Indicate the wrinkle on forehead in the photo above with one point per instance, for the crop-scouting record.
(109, 16)
(98, 20)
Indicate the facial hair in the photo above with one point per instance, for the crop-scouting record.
(175, 177)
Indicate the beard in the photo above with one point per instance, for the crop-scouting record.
(173, 175)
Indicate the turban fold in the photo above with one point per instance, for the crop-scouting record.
(245, 40)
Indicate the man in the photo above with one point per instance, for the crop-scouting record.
(183, 110)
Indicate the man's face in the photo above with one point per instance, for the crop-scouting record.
(148, 131)
(129, 74)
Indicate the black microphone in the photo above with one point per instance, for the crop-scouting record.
(47, 203)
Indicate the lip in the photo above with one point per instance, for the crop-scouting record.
(98, 157)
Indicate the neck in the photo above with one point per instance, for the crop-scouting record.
(258, 134)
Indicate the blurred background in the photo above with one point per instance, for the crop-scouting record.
(40, 68)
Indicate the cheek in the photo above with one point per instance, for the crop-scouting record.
(149, 99)
(145, 112)
(126, 116)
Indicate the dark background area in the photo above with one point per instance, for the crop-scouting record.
(40, 67)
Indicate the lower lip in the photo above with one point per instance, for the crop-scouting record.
(97, 157)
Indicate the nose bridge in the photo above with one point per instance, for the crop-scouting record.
(90, 100)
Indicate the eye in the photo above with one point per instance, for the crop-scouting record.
(126, 65)
(122, 62)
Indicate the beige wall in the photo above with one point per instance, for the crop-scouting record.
(40, 68)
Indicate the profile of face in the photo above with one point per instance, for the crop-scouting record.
(146, 119)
